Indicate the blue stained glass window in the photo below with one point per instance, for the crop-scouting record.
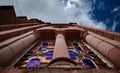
(44, 46)
(77, 48)
(72, 54)
(33, 63)
(72, 57)
(49, 55)
(88, 63)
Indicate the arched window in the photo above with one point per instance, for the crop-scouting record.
(33, 63)
(89, 63)
(44, 46)
(92, 54)
(72, 54)
(49, 55)
(76, 46)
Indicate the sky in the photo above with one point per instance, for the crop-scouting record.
(103, 14)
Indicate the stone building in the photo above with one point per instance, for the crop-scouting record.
(33, 46)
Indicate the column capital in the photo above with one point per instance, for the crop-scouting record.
(59, 32)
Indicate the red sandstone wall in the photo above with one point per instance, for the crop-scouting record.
(15, 32)
(21, 20)
(108, 34)
(56, 70)
(7, 15)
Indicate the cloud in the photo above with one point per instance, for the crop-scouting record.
(114, 26)
(116, 9)
(46, 10)
(101, 6)
(56, 11)
(116, 21)
(82, 8)
(7, 2)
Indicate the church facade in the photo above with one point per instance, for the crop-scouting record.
(33, 46)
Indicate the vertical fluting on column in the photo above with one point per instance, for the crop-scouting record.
(60, 49)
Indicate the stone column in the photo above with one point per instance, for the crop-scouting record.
(107, 48)
(60, 49)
